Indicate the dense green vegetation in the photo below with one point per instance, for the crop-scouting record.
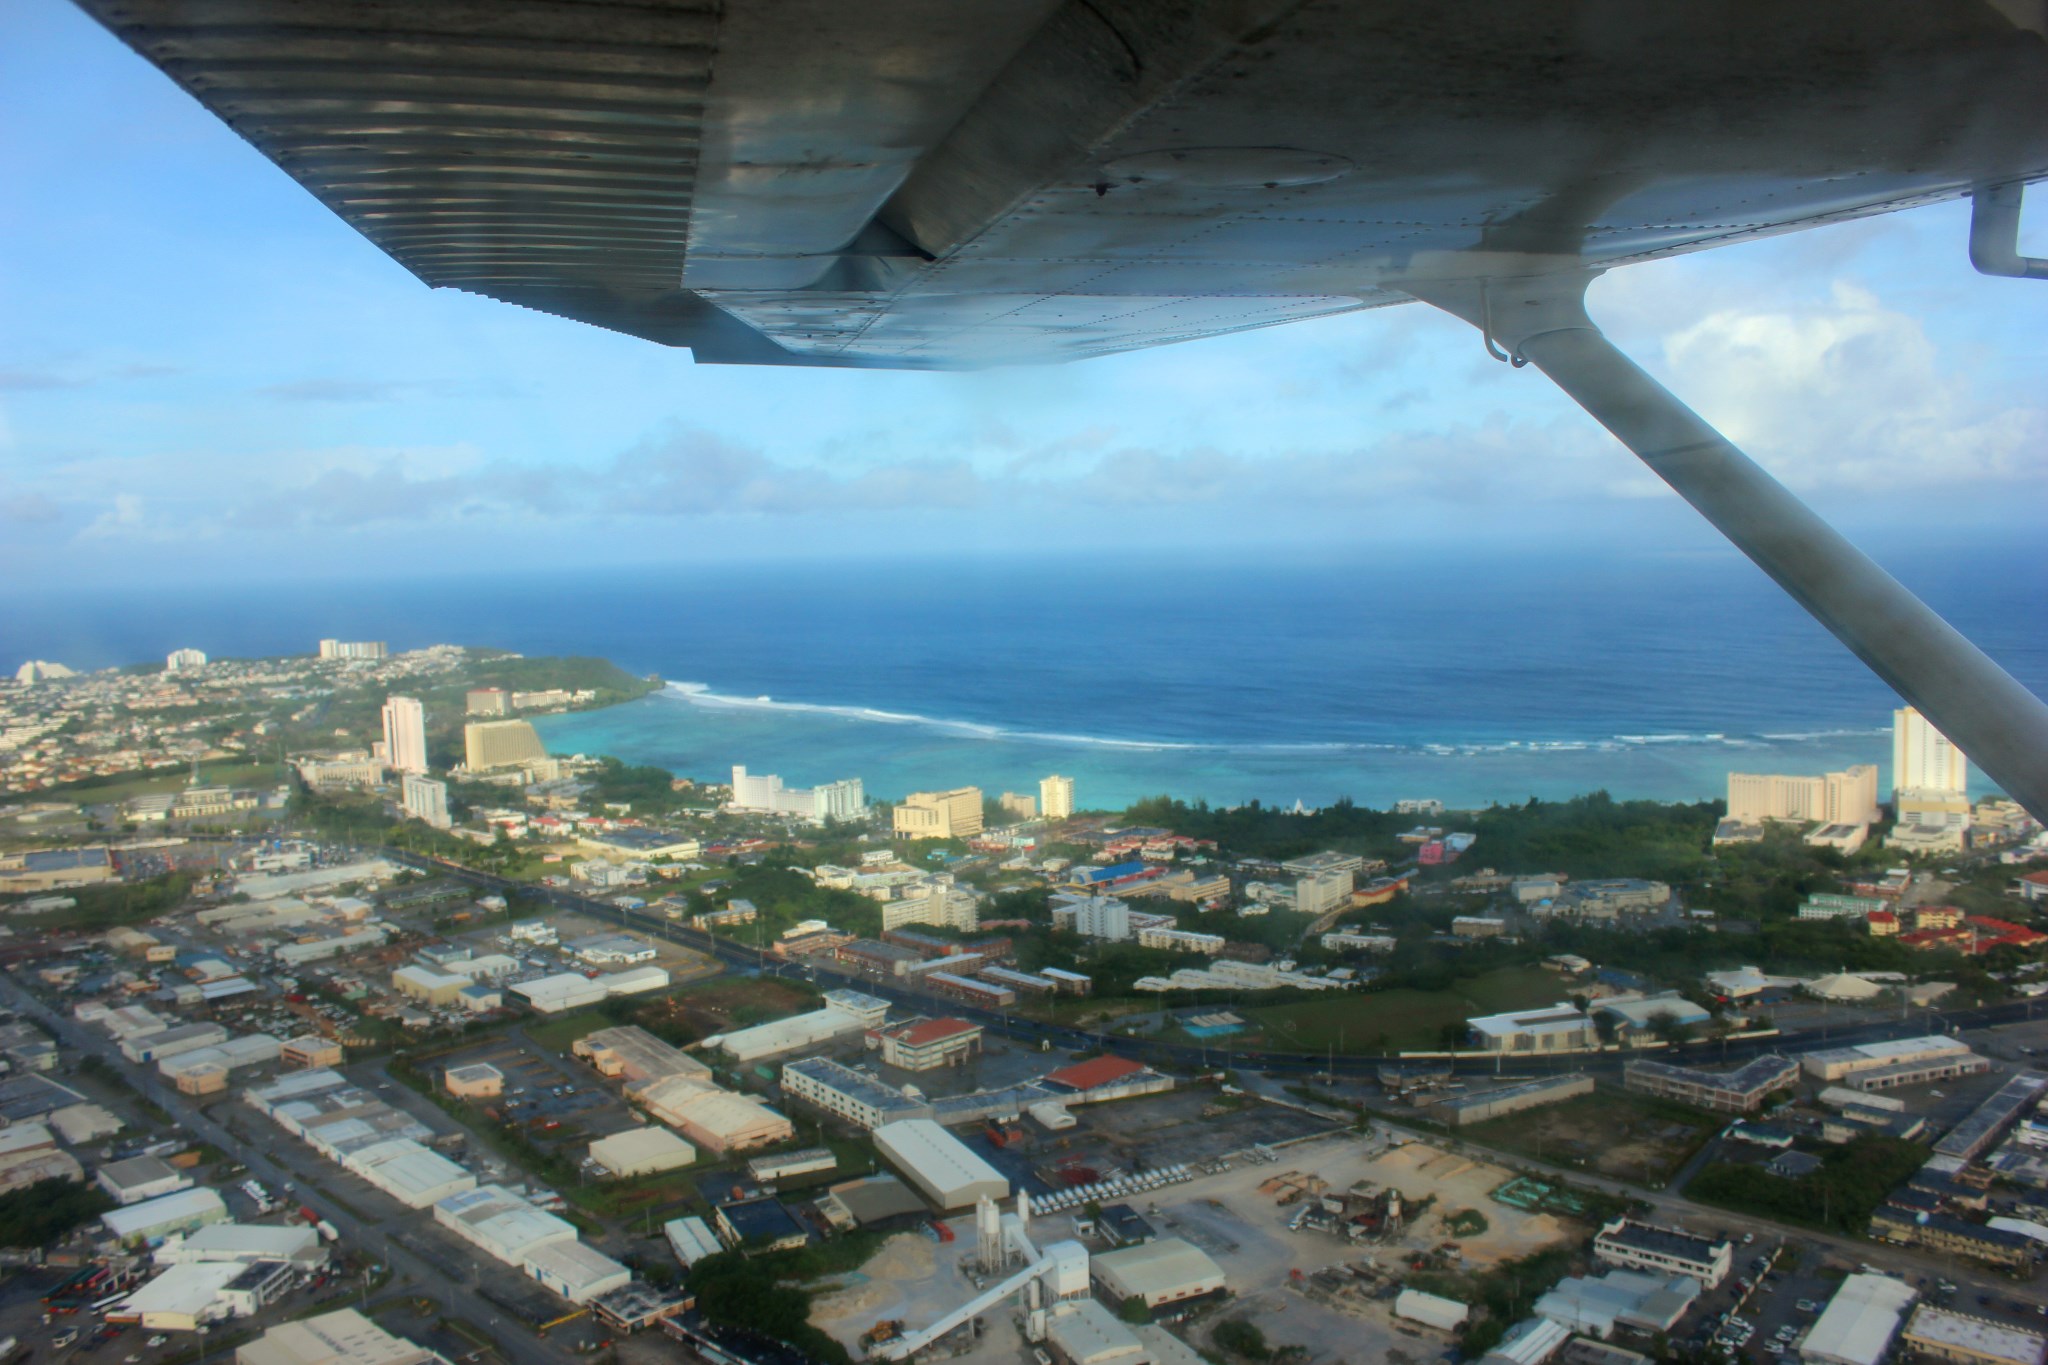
(769, 1294)
(1839, 1197)
(1587, 836)
(784, 896)
(40, 1215)
(1243, 1339)
(101, 908)
(646, 788)
(1256, 830)
(114, 787)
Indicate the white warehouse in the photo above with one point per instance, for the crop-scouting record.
(641, 1151)
(414, 1175)
(941, 1166)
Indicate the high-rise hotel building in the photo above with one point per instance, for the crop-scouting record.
(1056, 797)
(405, 734)
(1844, 798)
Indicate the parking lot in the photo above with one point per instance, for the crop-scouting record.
(561, 1103)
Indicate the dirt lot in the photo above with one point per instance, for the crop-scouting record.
(1335, 1317)
(1612, 1133)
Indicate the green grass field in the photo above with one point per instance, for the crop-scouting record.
(1401, 1020)
(219, 774)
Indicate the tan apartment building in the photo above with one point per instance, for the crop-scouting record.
(490, 744)
(1844, 798)
(952, 814)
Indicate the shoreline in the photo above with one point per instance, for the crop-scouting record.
(894, 753)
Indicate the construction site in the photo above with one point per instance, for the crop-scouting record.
(1313, 1241)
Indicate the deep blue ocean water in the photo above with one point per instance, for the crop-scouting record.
(1470, 680)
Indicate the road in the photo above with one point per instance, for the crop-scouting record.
(264, 1163)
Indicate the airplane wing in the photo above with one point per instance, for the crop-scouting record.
(945, 183)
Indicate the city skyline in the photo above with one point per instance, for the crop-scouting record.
(250, 375)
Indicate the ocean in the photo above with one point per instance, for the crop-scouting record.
(1374, 677)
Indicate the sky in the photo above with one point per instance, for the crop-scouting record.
(203, 373)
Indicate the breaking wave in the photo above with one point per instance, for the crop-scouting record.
(701, 694)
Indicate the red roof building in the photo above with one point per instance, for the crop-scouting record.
(1881, 923)
(1977, 934)
(1927, 940)
(1998, 933)
(925, 1044)
(1096, 1073)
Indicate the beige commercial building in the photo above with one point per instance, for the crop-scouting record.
(1056, 797)
(954, 814)
(488, 701)
(717, 1121)
(641, 1151)
(429, 986)
(491, 744)
(345, 1337)
(310, 1052)
(631, 1054)
(477, 1081)
(1844, 798)
(1159, 1272)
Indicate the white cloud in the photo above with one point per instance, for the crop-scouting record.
(1846, 393)
(121, 521)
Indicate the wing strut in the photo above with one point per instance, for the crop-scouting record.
(1981, 708)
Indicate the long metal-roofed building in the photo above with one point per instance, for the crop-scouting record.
(500, 1223)
(1859, 1323)
(1556, 1028)
(1988, 1122)
(577, 1272)
(1894, 1062)
(635, 1056)
(185, 1211)
(844, 1012)
(691, 1239)
(1740, 1091)
(1458, 1110)
(414, 1175)
(941, 1166)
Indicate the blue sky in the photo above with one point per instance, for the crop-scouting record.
(203, 371)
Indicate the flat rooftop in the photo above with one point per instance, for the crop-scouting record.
(1980, 1338)
(1665, 1241)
